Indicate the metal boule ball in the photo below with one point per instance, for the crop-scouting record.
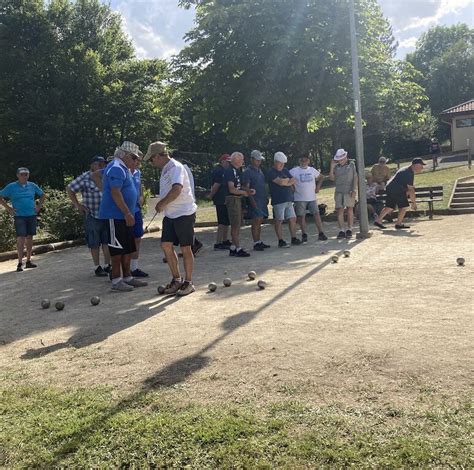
(346, 253)
(161, 289)
(227, 282)
(252, 275)
(95, 300)
(59, 305)
(45, 303)
(460, 261)
(212, 286)
(261, 284)
(334, 258)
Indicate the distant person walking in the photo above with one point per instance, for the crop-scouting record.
(24, 209)
(344, 174)
(96, 229)
(281, 184)
(179, 209)
(217, 194)
(308, 182)
(253, 178)
(435, 151)
(399, 189)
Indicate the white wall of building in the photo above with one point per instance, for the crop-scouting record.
(459, 135)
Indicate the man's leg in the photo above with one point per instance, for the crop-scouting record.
(20, 248)
(221, 229)
(188, 261)
(340, 218)
(116, 267)
(255, 228)
(401, 215)
(29, 247)
(385, 211)
(318, 222)
(278, 229)
(302, 223)
(95, 256)
(106, 253)
(292, 226)
(350, 217)
(134, 255)
(235, 235)
(125, 264)
(171, 259)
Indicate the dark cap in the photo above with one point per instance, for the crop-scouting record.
(98, 158)
(418, 161)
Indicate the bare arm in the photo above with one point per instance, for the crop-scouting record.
(72, 195)
(331, 170)
(319, 182)
(239, 192)
(170, 197)
(118, 199)
(214, 188)
(412, 195)
(39, 206)
(284, 181)
(9, 208)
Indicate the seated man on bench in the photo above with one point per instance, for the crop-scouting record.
(398, 189)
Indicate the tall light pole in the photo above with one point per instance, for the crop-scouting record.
(363, 217)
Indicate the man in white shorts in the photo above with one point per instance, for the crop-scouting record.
(308, 182)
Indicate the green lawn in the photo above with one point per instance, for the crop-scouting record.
(51, 428)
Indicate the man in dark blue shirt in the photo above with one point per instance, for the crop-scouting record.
(218, 192)
(399, 189)
(254, 178)
(281, 184)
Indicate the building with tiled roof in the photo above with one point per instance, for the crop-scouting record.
(461, 120)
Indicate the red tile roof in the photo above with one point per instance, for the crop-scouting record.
(467, 107)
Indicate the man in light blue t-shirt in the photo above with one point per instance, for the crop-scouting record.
(24, 208)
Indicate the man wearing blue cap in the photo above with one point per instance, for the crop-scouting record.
(96, 229)
(24, 209)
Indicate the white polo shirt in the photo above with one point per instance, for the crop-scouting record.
(305, 187)
(175, 173)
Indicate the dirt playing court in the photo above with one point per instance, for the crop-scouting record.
(396, 314)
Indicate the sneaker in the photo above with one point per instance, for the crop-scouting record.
(304, 238)
(397, 226)
(341, 234)
(19, 268)
(322, 237)
(185, 289)
(295, 241)
(265, 245)
(99, 272)
(173, 287)
(220, 246)
(108, 269)
(122, 287)
(136, 282)
(232, 252)
(227, 243)
(258, 247)
(282, 244)
(139, 273)
(348, 233)
(379, 225)
(197, 247)
(241, 253)
(29, 264)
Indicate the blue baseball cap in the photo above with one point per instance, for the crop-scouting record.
(98, 158)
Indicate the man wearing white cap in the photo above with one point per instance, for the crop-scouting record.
(281, 184)
(118, 205)
(24, 209)
(344, 174)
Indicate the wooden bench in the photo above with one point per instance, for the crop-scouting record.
(428, 194)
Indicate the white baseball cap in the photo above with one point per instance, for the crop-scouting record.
(256, 155)
(340, 155)
(280, 157)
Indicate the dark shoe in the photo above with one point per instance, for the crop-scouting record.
(258, 247)
(341, 234)
(227, 243)
(186, 289)
(241, 254)
(99, 272)
(295, 241)
(232, 252)
(265, 245)
(304, 238)
(173, 287)
(220, 246)
(282, 244)
(19, 268)
(108, 269)
(197, 247)
(322, 237)
(139, 273)
(397, 226)
(29, 265)
(348, 233)
(379, 225)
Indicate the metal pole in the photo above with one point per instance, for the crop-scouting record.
(469, 155)
(363, 217)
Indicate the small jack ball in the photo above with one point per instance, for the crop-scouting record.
(252, 275)
(59, 305)
(460, 261)
(45, 303)
(212, 286)
(261, 284)
(347, 253)
(335, 258)
(227, 282)
(95, 300)
(161, 290)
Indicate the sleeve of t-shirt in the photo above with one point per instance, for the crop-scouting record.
(316, 173)
(410, 178)
(116, 177)
(76, 184)
(287, 173)
(177, 175)
(6, 191)
(271, 175)
(294, 172)
(228, 176)
(38, 191)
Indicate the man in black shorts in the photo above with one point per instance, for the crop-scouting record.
(179, 208)
(398, 190)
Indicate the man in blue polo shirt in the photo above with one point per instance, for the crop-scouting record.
(118, 204)
(24, 209)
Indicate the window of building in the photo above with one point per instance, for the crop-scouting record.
(465, 122)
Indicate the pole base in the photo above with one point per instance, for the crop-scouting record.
(363, 235)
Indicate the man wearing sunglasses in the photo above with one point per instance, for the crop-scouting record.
(118, 205)
(24, 209)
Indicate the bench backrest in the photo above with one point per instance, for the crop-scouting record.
(428, 192)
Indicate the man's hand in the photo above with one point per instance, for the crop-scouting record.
(129, 219)
(414, 206)
(159, 206)
(37, 210)
(10, 210)
(250, 192)
(82, 208)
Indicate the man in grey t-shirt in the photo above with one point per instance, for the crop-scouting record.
(344, 174)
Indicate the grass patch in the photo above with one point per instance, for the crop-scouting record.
(46, 427)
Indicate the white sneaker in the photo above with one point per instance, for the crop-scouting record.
(122, 287)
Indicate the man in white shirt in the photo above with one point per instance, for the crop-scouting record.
(179, 209)
(308, 183)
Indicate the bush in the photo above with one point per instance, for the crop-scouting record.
(60, 218)
(7, 232)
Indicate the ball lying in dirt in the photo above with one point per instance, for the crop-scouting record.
(346, 253)
(95, 300)
(45, 303)
(59, 305)
(261, 284)
(161, 289)
(460, 261)
(227, 282)
(212, 286)
(252, 275)
(334, 258)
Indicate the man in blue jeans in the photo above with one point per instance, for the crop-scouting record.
(24, 209)
(96, 229)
